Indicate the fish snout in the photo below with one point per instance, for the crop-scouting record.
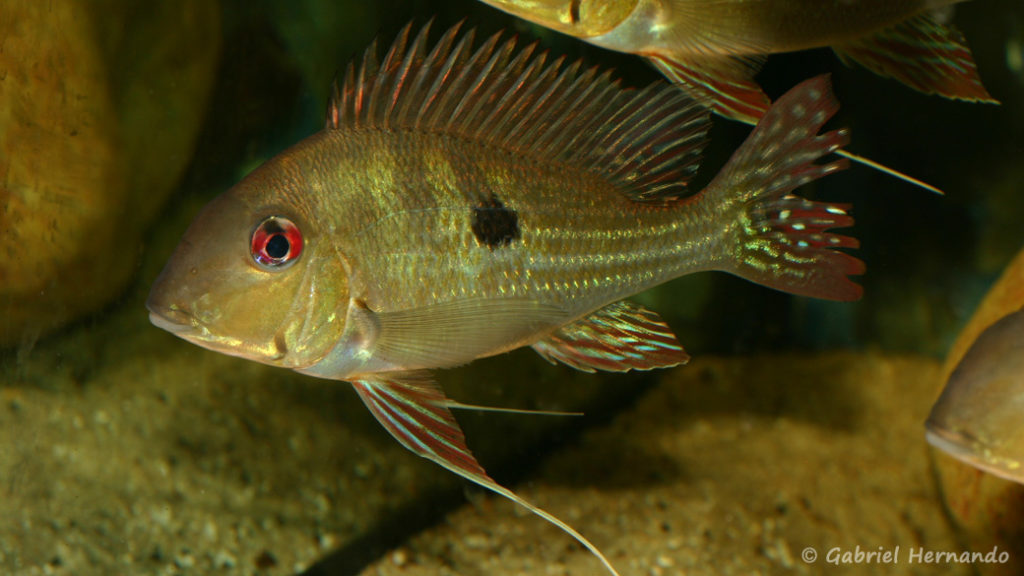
(166, 310)
(170, 318)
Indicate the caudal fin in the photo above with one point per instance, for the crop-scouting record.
(778, 239)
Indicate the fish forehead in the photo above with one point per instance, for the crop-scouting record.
(989, 380)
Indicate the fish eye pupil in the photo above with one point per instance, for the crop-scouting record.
(276, 243)
(277, 246)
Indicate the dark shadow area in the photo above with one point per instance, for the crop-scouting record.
(387, 533)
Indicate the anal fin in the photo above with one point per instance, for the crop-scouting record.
(922, 54)
(619, 337)
(414, 410)
(723, 83)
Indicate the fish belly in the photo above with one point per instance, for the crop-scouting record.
(744, 27)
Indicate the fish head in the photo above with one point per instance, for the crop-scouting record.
(979, 417)
(579, 18)
(255, 276)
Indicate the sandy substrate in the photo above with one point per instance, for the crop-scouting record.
(731, 466)
(126, 451)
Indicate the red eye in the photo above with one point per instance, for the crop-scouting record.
(276, 243)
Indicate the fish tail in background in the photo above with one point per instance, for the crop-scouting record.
(922, 54)
(726, 86)
(890, 171)
(778, 239)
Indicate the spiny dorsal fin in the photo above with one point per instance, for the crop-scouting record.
(648, 141)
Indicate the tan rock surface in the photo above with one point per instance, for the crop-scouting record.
(100, 106)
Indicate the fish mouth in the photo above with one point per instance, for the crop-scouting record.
(972, 452)
(186, 326)
(174, 320)
(950, 442)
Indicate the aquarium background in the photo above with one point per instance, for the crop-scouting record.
(798, 424)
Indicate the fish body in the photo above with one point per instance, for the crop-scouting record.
(713, 49)
(975, 425)
(977, 419)
(462, 202)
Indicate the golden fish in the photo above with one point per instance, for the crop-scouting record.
(977, 419)
(714, 48)
(464, 202)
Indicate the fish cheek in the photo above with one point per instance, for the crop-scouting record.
(316, 320)
(494, 225)
(598, 17)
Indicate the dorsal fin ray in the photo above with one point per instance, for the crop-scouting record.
(647, 141)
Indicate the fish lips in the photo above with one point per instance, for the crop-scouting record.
(177, 322)
(973, 452)
(184, 325)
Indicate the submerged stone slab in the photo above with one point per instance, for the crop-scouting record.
(100, 107)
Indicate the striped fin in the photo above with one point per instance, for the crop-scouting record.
(922, 54)
(415, 411)
(647, 141)
(619, 337)
(725, 84)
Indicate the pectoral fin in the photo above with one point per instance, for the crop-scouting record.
(723, 83)
(619, 337)
(922, 54)
(457, 332)
(415, 411)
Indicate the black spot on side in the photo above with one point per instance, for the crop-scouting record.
(493, 224)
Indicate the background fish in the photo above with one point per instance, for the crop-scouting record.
(714, 48)
(978, 417)
(464, 202)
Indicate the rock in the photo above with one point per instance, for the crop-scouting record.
(100, 107)
(730, 466)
